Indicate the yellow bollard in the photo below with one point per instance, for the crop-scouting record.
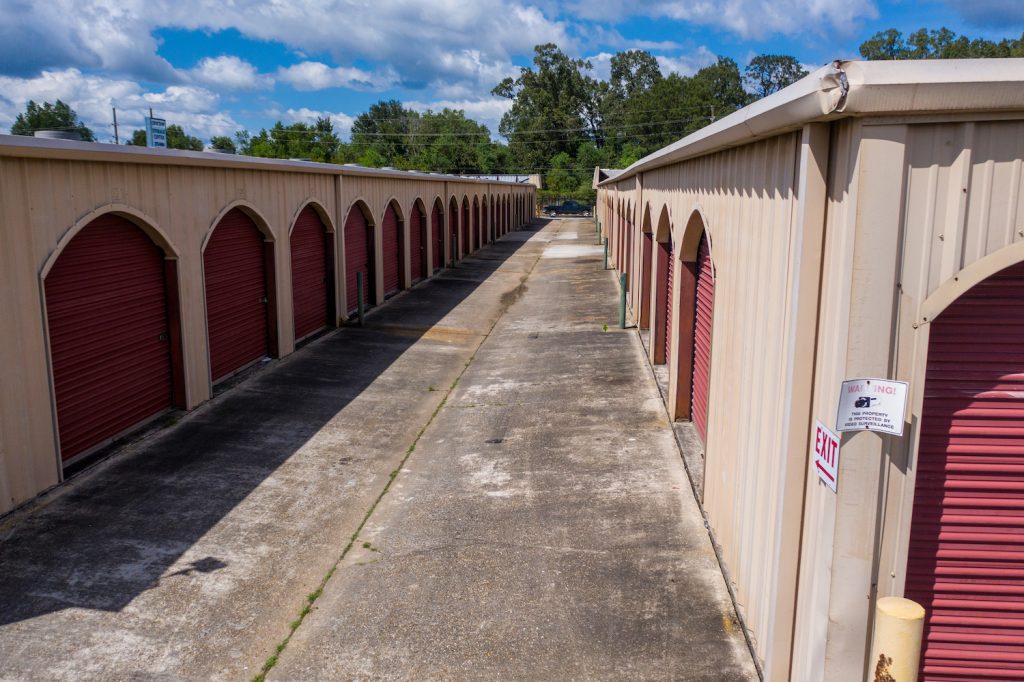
(896, 646)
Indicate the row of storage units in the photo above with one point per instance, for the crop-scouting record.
(143, 302)
(866, 223)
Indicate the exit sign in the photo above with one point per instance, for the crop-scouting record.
(825, 451)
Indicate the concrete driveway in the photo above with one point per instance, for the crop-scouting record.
(482, 481)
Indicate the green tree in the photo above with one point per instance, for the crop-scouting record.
(316, 142)
(223, 143)
(937, 44)
(721, 85)
(385, 128)
(555, 107)
(887, 44)
(48, 116)
(633, 73)
(177, 138)
(768, 73)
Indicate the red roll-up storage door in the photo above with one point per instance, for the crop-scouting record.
(392, 252)
(236, 294)
(310, 263)
(701, 380)
(481, 224)
(467, 247)
(358, 254)
(966, 556)
(453, 231)
(670, 276)
(416, 246)
(437, 238)
(106, 311)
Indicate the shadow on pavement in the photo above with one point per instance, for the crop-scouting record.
(107, 539)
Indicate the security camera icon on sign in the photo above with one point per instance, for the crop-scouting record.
(865, 401)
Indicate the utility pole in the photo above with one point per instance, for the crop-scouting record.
(117, 140)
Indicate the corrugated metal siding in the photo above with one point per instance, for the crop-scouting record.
(310, 262)
(109, 341)
(31, 231)
(747, 197)
(966, 556)
(236, 294)
(702, 338)
(391, 240)
(959, 226)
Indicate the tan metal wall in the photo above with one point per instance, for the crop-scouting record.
(919, 211)
(746, 200)
(46, 200)
(833, 247)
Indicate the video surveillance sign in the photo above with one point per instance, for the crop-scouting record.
(872, 405)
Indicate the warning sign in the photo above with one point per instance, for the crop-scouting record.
(872, 405)
(826, 455)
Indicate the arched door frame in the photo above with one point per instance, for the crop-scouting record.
(660, 296)
(371, 288)
(466, 223)
(452, 232)
(181, 397)
(331, 232)
(270, 270)
(403, 245)
(425, 244)
(646, 256)
(681, 383)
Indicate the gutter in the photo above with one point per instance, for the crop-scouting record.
(856, 88)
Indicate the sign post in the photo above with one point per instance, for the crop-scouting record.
(872, 405)
(156, 132)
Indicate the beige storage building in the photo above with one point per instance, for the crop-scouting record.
(865, 223)
(133, 279)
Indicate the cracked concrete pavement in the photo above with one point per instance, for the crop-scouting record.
(542, 527)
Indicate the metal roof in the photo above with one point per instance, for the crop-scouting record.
(856, 88)
(38, 147)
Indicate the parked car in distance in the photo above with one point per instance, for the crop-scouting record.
(567, 208)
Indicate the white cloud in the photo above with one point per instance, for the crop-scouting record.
(320, 76)
(230, 72)
(687, 64)
(422, 41)
(342, 121)
(194, 108)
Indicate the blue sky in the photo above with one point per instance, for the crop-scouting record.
(218, 67)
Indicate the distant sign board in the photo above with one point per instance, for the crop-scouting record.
(872, 405)
(825, 455)
(156, 132)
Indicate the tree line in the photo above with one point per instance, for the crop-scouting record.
(562, 121)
